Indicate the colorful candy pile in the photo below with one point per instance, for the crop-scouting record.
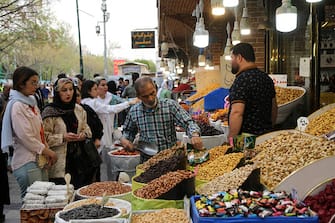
(250, 204)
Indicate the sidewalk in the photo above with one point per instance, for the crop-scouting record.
(12, 211)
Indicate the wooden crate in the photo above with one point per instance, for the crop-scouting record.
(46, 215)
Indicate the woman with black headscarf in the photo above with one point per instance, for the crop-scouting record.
(66, 129)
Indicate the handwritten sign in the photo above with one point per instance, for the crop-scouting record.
(279, 80)
(142, 39)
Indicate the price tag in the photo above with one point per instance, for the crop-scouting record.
(302, 123)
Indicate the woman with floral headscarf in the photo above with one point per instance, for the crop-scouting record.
(66, 129)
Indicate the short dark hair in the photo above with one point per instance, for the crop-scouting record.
(141, 82)
(61, 75)
(111, 86)
(86, 88)
(245, 50)
(135, 76)
(21, 75)
(121, 79)
(80, 77)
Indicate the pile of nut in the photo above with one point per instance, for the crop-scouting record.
(166, 215)
(163, 184)
(218, 151)
(322, 124)
(177, 161)
(285, 95)
(218, 166)
(98, 189)
(230, 180)
(287, 152)
(162, 155)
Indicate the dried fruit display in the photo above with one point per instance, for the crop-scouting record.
(166, 215)
(123, 152)
(90, 211)
(163, 184)
(111, 188)
(230, 180)
(322, 124)
(283, 154)
(285, 95)
(219, 166)
(203, 92)
(220, 114)
(323, 203)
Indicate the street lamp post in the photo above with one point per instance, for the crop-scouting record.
(105, 19)
(79, 42)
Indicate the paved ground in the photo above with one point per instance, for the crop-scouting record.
(12, 211)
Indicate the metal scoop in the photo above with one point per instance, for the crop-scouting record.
(147, 148)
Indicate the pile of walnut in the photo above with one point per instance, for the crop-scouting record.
(322, 124)
(287, 152)
(285, 95)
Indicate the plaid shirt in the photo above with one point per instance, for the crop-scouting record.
(158, 125)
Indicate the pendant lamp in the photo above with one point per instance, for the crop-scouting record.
(228, 44)
(217, 7)
(201, 35)
(244, 23)
(236, 36)
(230, 3)
(286, 17)
(313, 1)
(201, 60)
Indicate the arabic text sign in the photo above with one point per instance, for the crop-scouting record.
(142, 39)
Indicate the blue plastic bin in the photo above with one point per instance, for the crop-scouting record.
(282, 219)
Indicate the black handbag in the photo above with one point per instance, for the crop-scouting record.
(90, 152)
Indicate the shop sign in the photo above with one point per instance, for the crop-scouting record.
(142, 39)
(279, 80)
(116, 65)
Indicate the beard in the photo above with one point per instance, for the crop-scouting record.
(151, 104)
(235, 68)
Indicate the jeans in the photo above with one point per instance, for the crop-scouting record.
(24, 178)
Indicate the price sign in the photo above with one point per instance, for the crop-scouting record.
(302, 123)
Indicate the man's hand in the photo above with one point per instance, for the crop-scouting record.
(127, 144)
(197, 142)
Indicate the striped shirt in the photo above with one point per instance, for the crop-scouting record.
(157, 125)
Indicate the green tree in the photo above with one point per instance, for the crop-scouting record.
(150, 63)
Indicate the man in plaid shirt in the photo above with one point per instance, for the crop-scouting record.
(155, 119)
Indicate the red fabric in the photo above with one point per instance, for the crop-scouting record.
(181, 87)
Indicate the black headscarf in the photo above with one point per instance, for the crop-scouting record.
(58, 108)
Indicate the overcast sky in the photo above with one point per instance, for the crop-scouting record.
(125, 16)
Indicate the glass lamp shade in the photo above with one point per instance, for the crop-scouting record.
(217, 7)
(201, 60)
(201, 35)
(164, 48)
(227, 50)
(244, 23)
(286, 17)
(230, 3)
(313, 1)
(235, 35)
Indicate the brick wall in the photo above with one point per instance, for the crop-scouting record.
(256, 38)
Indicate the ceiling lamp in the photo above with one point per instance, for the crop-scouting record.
(230, 3)
(244, 23)
(313, 1)
(201, 35)
(286, 17)
(236, 36)
(228, 44)
(164, 48)
(217, 7)
(201, 60)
